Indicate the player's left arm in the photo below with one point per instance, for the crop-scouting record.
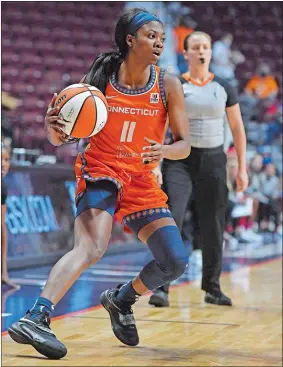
(179, 124)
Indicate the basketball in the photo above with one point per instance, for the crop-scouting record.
(83, 108)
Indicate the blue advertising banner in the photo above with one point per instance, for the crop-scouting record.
(40, 215)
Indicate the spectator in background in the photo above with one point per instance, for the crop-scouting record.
(5, 166)
(272, 116)
(6, 129)
(239, 209)
(255, 169)
(224, 59)
(260, 95)
(262, 85)
(244, 227)
(253, 190)
(270, 207)
(7, 103)
(184, 28)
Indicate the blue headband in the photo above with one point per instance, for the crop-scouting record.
(140, 19)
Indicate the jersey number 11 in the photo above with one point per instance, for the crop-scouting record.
(128, 131)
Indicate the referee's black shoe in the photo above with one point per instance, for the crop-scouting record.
(122, 317)
(217, 298)
(159, 298)
(37, 332)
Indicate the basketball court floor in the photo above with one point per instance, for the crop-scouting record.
(188, 333)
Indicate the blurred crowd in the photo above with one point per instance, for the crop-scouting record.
(259, 210)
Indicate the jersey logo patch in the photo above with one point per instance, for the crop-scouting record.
(154, 97)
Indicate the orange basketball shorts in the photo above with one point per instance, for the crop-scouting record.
(137, 193)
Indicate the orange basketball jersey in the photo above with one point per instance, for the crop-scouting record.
(133, 115)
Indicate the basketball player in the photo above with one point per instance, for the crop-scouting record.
(5, 166)
(114, 176)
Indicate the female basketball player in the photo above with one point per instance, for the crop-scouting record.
(5, 166)
(114, 176)
(208, 98)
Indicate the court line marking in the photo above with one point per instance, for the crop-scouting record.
(257, 264)
(35, 278)
(154, 320)
(39, 283)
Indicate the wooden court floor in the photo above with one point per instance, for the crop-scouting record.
(189, 333)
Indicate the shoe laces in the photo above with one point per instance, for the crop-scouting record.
(40, 318)
(125, 307)
(121, 285)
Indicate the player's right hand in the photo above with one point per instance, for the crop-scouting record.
(54, 122)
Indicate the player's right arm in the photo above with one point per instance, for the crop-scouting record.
(54, 125)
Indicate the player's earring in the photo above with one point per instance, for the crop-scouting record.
(130, 42)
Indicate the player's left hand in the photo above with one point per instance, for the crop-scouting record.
(154, 152)
(242, 181)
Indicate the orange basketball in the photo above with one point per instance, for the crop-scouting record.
(84, 110)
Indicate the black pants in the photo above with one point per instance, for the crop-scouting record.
(228, 214)
(204, 171)
(190, 229)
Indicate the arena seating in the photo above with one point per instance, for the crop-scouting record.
(255, 26)
(48, 45)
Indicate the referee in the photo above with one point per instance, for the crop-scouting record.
(208, 98)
